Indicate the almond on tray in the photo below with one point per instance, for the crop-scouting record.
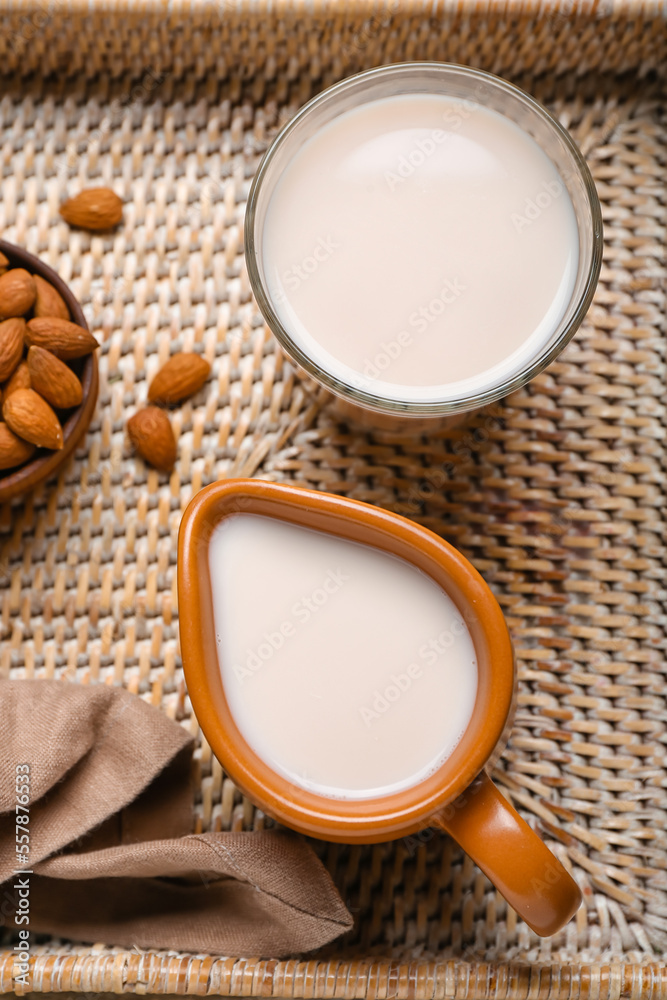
(149, 429)
(96, 209)
(180, 377)
(151, 434)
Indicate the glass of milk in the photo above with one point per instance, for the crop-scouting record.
(354, 675)
(422, 239)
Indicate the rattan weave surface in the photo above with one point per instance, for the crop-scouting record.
(557, 496)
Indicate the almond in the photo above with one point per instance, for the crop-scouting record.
(19, 380)
(182, 376)
(53, 380)
(64, 339)
(17, 292)
(13, 450)
(4, 263)
(49, 302)
(151, 434)
(31, 417)
(12, 333)
(95, 208)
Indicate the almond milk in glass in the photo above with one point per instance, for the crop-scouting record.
(422, 239)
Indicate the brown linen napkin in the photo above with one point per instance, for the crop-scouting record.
(112, 852)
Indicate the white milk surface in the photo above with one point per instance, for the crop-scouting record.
(420, 247)
(347, 670)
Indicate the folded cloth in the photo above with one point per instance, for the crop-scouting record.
(111, 853)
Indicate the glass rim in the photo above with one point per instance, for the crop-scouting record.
(385, 404)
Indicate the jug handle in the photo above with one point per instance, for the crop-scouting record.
(521, 866)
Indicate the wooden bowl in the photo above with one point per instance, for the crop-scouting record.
(45, 463)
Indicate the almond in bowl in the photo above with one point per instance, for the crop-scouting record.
(48, 372)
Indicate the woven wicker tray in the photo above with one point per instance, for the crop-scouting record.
(557, 496)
